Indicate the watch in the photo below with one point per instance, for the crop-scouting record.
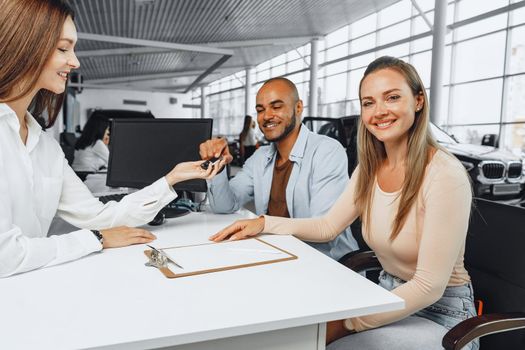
(99, 236)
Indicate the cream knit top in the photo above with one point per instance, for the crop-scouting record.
(427, 253)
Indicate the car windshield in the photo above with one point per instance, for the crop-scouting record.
(440, 135)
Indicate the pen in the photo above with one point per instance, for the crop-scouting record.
(254, 250)
(161, 252)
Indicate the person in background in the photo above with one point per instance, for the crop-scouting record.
(414, 199)
(37, 41)
(300, 174)
(91, 149)
(247, 140)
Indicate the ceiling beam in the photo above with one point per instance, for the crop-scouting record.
(153, 43)
(166, 75)
(224, 44)
(132, 78)
(207, 72)
(262, 42)
(121, 51)
(123, 87)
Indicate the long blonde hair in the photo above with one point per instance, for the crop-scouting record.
(371, 151)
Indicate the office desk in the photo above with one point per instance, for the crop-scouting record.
(110, 300)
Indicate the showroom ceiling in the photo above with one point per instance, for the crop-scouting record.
(174, 45)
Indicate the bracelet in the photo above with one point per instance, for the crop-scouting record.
(99, 236)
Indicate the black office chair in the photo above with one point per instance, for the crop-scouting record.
(350, 124)
(495, 260)
(343, 129)
(67, 143)
(330, 129)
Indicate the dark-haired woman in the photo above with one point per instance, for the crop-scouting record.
(247, 140)
(91, 149)
(414, 199)
(37, 40)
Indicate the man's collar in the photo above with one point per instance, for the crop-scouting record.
(298, 148)
(300, 144)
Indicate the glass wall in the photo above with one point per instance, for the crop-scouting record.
(484, 72)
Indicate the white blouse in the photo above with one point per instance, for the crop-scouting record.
(92, 158)
(36, 183)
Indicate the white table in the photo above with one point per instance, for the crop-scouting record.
(110, 300)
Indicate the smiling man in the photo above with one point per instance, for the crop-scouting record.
(299, 175)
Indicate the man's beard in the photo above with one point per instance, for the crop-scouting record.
(286, 131)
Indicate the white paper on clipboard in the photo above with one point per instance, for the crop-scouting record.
(226, 255)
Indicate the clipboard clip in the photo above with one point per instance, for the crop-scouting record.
(160, 259)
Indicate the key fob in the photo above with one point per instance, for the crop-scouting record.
(209, 162)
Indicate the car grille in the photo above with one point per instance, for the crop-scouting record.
(514, 170)
(493, 170)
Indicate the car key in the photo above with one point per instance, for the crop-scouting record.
(212, 161)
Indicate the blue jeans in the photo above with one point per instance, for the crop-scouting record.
(456, 304)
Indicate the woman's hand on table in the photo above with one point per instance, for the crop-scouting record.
(240, 229)
(123, 236)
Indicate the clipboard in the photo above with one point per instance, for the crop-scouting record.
(212, 257)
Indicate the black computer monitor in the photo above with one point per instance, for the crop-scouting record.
(144, 150)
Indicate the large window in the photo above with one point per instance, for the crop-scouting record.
(484, 88)
(483, 75)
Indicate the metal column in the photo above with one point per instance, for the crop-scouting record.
(438, 52)
(248, 92)
(314, 62)
(203, 103)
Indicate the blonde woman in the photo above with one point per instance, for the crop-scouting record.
(414, 199)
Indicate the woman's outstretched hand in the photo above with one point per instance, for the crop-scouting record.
(240, 230)
(193, 170)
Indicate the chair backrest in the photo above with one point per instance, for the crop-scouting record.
(67, 142)
(495, 259)
(331, 127)
(330, 130)
(68, 138)
(350, 124)
(343, 129)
